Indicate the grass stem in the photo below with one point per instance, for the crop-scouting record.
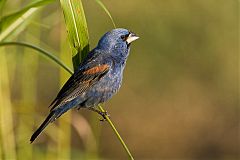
(117, 134)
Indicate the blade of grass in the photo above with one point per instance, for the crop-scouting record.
(6, 114)
(10, 23)
(106, 10)
(42, 51)
(77, 29)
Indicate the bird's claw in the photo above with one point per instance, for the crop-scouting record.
(104, 115)
(102, 119)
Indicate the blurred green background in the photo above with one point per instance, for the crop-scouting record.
(179, 98)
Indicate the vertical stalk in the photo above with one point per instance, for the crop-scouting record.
(6, 114)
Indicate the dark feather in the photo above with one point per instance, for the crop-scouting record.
(50, 118)
(77, 84)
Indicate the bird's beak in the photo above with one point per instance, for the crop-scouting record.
(132, 37)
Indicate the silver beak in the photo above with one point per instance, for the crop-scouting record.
(132, 37)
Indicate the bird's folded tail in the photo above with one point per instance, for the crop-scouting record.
(54, 114)
(50, 118)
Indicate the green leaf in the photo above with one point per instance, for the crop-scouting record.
(106, 10)
(11, 23)
(77, 29)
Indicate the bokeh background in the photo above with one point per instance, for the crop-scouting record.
(179, 98)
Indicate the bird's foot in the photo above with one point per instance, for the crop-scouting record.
(103, 114)
(78, 108)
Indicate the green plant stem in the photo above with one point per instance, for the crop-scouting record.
(106, 10)
(45, 53)
(56, 60)
(117, 134)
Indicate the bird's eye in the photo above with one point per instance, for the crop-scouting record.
(124, 37)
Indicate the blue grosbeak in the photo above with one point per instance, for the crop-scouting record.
(96, 80)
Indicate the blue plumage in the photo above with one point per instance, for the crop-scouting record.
(97, 79)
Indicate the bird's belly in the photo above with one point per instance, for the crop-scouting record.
(103, 90)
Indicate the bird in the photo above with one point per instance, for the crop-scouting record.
(96, 79)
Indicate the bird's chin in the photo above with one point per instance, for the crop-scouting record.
(128, 45)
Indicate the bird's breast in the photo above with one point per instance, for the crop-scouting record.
(111, 83)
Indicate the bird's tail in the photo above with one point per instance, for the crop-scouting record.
(50, 118)
(54, 114)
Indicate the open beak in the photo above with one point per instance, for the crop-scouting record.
(132, 37)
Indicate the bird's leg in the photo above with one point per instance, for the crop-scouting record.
(103, 114)
(78, 107)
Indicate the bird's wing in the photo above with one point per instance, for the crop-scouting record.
(79, 82)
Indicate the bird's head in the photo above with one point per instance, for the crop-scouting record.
(117, 41)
